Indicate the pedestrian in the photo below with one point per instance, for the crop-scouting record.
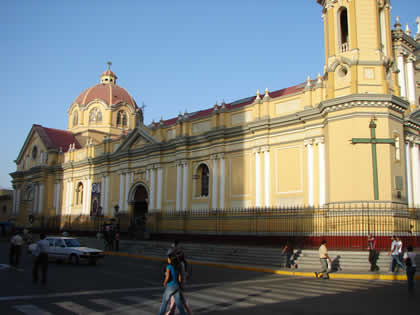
(324, 258)
(117, 240)
(16, 242)
(173, 279)
(410, 263)
(400, 248)
(394, 253)
(373, 256)
(41, 260)
(288, 251)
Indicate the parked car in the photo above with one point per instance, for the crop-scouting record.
(69, 249)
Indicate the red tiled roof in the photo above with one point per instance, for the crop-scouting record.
(111, 94)
(237, 104)
(56, 138)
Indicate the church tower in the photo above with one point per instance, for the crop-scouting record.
(358, 48)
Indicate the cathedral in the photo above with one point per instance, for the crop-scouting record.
(303, 160)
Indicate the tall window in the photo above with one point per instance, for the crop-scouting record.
(203, 172)
(344, 30)
(79, 194)
(75, 118)
(122, 118)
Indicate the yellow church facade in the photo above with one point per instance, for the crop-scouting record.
(343, 141)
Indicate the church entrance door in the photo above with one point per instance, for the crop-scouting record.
(140, 211)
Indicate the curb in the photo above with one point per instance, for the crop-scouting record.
(276, 271)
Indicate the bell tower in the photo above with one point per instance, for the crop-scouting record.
(358, 47)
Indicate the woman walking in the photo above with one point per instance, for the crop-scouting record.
(171, 283)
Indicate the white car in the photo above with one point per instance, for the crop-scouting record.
(69, 249)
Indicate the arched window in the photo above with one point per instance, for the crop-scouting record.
(95, 116)
(75, 118)
(344, 30)
(34, 152)
(122, 118)
(202, 184)
(99, 117)
(79, 194)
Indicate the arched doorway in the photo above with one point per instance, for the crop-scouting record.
(139, 198)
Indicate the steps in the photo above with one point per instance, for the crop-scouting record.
(348, 261)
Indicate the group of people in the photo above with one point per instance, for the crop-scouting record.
(39, 251)
(111, 235)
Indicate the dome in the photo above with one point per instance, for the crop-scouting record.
(107, 91)
(111, 94)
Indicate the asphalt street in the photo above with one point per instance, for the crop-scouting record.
(123, 285)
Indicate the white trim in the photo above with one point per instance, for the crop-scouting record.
(310, 169)
(152, 189)
(416, 174)
(185, 188)
(401, 75)
(267, 178)
(84, 197)
(102, 192)
(17, 201)
(105, 207)
(257, 179)
(14, 202)
(408, 164)
(89, 195)
(35, 200)
(321, 171)
(159, 189)
(222, 184)
(127, 185)
(121, 192)
(411, 82)
(178, 187)
(214, 185)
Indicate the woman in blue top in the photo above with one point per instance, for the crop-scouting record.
(171, 283)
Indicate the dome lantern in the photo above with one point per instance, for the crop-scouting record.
(108, 77)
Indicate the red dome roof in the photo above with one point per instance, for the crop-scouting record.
(111, 94)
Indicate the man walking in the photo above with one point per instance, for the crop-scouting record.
(395, 255)
(323, 257)
(16, 243)
(373, 256)
(41, 260)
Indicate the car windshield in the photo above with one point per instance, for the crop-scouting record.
(71, 242)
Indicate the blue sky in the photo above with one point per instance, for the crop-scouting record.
(171, 55)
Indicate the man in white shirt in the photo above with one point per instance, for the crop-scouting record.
(323, 257)
(16, 243)
(41, 260)
(395, 254)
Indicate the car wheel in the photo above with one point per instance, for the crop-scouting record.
(74, 259)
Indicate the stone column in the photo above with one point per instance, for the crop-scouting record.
(126, 191)
(35, 199)
(214, 182)
(14, 202)
(178, 186)
(152, 189)
(258, 202)
(267, 173)
(41, 199)
(408, 163)
(222, 181)
(89, 195)
(17, 201)
(85, 207)
(411, 80)
(321, 170)
(401, 75)
(159, 188)
(310, 170)
(102, 192)
(121, 201)
(106, 208)
(70, 197)
(185, 186)
(416, 172)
